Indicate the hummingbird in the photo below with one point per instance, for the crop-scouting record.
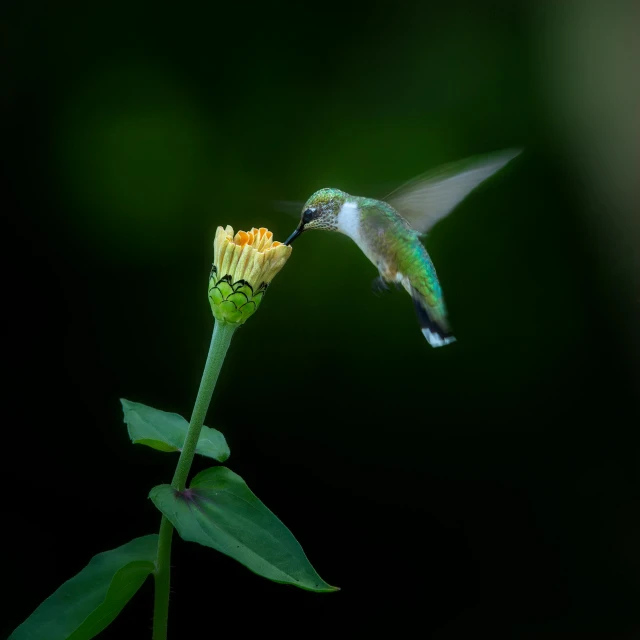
(388, 231)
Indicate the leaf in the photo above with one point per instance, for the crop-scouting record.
(220, 511)
(87, 603)
(166, 431)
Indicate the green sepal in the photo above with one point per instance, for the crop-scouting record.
(249, 308)
(225, 288)
(244, 288)
(167, 431)
(216, 295)
(220, 511)
(229, 312)
(238, 298)
(87, 603)
(233, 302)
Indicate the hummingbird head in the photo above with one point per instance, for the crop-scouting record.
(320, 211)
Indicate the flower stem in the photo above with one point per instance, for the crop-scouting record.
(220, 340)
(162, 577)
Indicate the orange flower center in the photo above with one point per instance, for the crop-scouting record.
(259, 238)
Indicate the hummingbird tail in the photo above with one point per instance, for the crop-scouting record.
(433, 323)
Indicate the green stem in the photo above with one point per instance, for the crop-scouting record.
(162, 577)
(220, 340)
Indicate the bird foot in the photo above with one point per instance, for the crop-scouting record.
(379, 286)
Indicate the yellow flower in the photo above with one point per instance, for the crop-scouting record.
(243, 267)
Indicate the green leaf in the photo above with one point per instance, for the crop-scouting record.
(166, 431)
(220, 511)
(87, 603)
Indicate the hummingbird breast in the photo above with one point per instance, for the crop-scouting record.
(379, 232)
(391, 245)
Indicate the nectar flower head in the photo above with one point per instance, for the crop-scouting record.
(243, 266)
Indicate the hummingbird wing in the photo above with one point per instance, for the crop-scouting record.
(289, 207)
(428, 198)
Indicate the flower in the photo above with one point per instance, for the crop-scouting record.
(243, 267)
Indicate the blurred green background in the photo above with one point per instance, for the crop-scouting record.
(489, 488)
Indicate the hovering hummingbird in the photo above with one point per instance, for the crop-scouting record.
(388, 232)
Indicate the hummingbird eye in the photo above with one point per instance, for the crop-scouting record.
(307, 216)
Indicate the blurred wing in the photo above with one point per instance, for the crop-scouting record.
(428, 198)
(294, 209)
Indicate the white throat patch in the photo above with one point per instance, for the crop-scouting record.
(349, 220)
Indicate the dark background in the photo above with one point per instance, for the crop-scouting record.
(489, 488)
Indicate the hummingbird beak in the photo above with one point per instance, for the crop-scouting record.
(294, 235)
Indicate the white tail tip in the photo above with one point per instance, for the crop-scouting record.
(435, 340)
